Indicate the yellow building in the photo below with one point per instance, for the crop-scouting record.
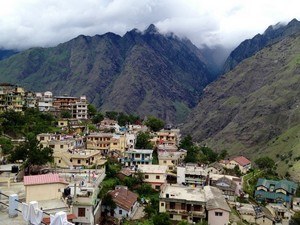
(78, 158)
(43, 187)
(155, 175)
(99, 141)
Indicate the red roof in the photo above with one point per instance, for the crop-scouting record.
(243, 161)
(43, 179)
(124, 198)
(70, 217)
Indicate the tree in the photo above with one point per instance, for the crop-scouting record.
(186, 142)
(223, 154)
(265, 163)
(97, 118)
(91, 110)
(32, 153)
(162, 219)
(108, 202)
(65, 114)
(143, 141)
(192, 155)
(6, 145)
(112, 115)
(209, 155)
(237, 171)
(154, 123)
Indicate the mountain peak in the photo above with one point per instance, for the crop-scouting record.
(152, 29)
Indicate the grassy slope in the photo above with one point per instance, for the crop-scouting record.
(253, 110)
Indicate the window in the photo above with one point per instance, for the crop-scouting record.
(184, 217)
(146, 176)
(197, 207)
(157, 177)
(42, 138)
(78, 161)
(183, 206)
(218, 214)
(59, 161)
(137, 155)
(157, 187)
(81, 212)
(172, 205)
(165, 161)
(61, 146)
(120, 211)
(171, 216)
(162, 204)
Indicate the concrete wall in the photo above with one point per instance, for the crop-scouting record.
(218, 220)
(43, 192)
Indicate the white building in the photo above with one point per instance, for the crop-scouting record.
(137, 157)
(44, 101)
(183, 203)
(126, 202)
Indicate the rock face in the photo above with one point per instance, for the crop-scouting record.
(251, 46)
(142, 72)
(249, 109)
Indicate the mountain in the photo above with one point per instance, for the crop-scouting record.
(140, 72)
(251, 46)
(254, 109)
(5, 53)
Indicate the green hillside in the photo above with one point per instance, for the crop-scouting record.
(254, 109)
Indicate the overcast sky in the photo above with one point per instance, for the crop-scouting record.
(31, 23)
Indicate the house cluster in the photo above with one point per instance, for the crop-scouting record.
(13, 97)
(187, 191)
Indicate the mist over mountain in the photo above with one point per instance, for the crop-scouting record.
(254, 109)
(249, 47)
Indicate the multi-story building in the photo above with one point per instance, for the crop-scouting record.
(192, 174)
(84, 190)
(137, 157)
(76, 106)
(166, 137)
(275, 191)
(171, 159)
(45, 101)
(79, 108)
(155, 175)
(12, 97)
(99, 141)
(78, 158)
(60, 143)
(183, 203)
(117, 143)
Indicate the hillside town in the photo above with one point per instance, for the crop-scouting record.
(102, 170)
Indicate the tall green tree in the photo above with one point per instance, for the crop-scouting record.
(32, 153)
(6, 145)
(186, 142)
(143, 141)
(112, 115)
(154, 123)
(91, 110)
(97, 118)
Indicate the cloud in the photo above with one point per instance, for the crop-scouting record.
(32, 23)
